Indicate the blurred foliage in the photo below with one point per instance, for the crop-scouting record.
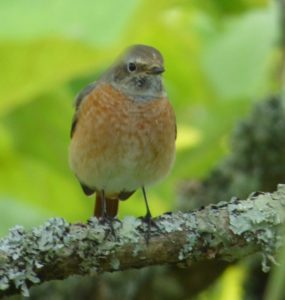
(220, 57)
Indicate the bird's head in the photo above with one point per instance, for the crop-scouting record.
(138, 73)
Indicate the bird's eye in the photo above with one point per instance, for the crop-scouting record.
(132, 67)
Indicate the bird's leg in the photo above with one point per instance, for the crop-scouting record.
(103, 205)
(105, 218)
(148, 213)
(148, 218)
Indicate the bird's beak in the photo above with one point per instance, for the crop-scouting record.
(155, 70)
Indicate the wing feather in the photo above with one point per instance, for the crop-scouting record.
(78, 100)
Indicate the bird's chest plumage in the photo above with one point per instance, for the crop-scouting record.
(122, 144)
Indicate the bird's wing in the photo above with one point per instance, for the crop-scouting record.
(78, 101)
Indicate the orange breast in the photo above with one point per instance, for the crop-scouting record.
(121, 144)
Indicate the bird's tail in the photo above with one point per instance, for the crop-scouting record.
(112, 206)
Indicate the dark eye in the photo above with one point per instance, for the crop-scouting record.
(132, 67)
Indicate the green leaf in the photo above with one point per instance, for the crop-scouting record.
(237, 62)
(54, 43)
(96, 22)
(40, 129)
(224, 7)
(35, 182)
(32, 68)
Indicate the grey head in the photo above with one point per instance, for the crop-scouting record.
(138, 73)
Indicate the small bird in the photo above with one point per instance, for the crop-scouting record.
(123, 131)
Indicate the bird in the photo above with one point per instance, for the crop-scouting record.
(123, 131)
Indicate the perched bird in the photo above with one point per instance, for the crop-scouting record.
(123, 131)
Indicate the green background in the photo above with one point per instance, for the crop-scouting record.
(220, 58)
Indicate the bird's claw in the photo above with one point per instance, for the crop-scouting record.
(106, 220)
(149, 221)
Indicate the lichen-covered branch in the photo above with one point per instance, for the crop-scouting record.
(57, 249)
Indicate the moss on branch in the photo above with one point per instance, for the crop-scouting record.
(57, 249)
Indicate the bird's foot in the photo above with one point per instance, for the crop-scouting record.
(107, 220)
(149, 221)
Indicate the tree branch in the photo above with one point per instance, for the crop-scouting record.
(57, 249)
